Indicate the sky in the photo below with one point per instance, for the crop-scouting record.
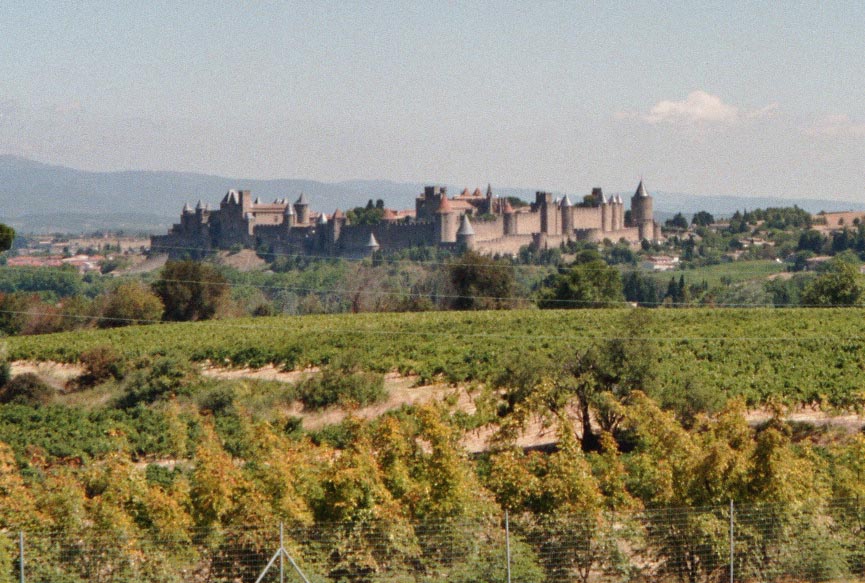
(735, 98)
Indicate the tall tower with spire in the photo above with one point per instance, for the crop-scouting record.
(642, 216)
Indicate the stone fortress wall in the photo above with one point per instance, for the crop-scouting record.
(473, 220)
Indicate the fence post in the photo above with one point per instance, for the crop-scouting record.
(21, 555)
(732, 541)
(508, 545)
(282, 554)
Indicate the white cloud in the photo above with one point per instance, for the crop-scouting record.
(837, 126)
(698, 108)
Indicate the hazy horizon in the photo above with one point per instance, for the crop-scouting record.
(729, 99)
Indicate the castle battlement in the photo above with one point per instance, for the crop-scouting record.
(471, 219)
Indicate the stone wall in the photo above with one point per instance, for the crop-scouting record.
(587, 218)
(527, 223)
(503, 245)
(485, 230)
(354, 238)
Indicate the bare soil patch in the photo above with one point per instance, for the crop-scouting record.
(244, 260)
(56, 374)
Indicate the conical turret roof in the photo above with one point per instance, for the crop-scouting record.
(566, 202)
(641, 191)
(289, 210)
(322, 219)
(301, 199)
(372, 243)
(187, 208)
(338, 214)
(199, 206)
(231, 196)
(444, 205)
(466, 227)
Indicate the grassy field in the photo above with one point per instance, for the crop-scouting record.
(804, 355)
(733, 272)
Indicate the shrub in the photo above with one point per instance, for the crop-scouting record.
(190, 290)
(27, 389)
(100, 363)
(131, 303)
(338, 385)
(167, 376)
(5, 372)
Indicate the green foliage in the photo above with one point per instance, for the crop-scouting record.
(342, 385)
(27, 389)
(702, 219)
(842, 286)
(168, 376)
(100, 364)
(58, 432)
(369, 215)
(591, 284)
(5, 367)
(677, 222)
(62, 282)
(190, 290)
(7, 235)
(805, 355)
(130, 303)
(813, 241)
(480, 283)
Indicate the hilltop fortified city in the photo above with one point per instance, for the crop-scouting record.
(474, 220)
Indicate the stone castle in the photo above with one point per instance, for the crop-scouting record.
(471, 220)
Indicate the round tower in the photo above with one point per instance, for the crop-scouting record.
(509, 218)
(642, 212)
(466, 234)
(446, 222)
(606, 212)
(301, 207)
(289, 218)
(337, 222)
(567, 217)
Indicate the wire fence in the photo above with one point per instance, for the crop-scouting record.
(766, 543)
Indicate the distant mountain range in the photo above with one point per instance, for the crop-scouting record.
(37, 197)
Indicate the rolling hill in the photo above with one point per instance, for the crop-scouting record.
(42, 197)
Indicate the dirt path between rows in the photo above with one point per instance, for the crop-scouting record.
(404, 391)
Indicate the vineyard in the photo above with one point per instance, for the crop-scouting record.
(800, 355)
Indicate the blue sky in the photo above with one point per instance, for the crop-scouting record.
(702, 97)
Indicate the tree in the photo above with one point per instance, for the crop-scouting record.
(842, 286)
(702, 219)
(812, 241)
(677, 222)
(641, 289)
(593, 284)
(481, 283)
(190, 290)
(131, 303)
(7, 235)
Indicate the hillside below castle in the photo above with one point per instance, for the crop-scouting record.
(479, 221)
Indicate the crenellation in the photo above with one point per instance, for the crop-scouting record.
(472, 219)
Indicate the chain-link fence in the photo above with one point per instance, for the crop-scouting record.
(769, 542)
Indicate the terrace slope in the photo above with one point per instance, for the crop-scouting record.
(802, 355)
